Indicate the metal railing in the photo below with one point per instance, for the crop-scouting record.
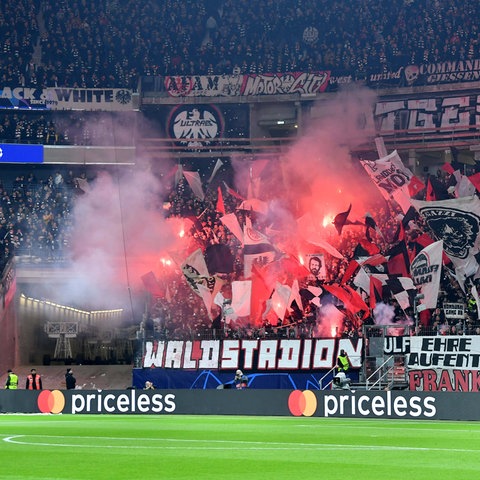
(320, 382)
(378, 383)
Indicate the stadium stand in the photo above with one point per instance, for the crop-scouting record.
(113, 44)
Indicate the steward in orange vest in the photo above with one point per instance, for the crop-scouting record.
(34, 381)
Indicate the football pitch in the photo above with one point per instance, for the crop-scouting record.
(90, 447)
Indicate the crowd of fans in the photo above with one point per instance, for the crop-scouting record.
(68, 128)
(113, 43)
(36, 226)
(35, 215)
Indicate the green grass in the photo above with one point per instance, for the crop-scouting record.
(130, 447)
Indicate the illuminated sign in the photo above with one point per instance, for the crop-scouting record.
(17, 153)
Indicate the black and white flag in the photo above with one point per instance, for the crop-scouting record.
(457, 223)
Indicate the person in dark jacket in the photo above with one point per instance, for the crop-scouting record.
(240, 380)
(34, 381)
(70, 380)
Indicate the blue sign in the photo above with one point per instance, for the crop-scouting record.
(16, 153)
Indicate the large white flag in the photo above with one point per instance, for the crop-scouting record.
(241, 297)
(426, 270)
(193, 179)
(457, 222)
(195, 271)
(281, 299)
(391, 177)
(215, 170)
(230, 220)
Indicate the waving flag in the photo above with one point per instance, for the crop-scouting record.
(218, 165)
(257, 249)
(195, 271)
(398, 259)
(351, 299)
(259, 296)
(464, 186)
(312, 294)
(193, 179)
(254, 205)
(457, 223)
(402, 289)
(436, 190)
(232, 192)
(220, 204)
(151, 284)
(231, 222)
(241, 297)
(475, 180)
(219, 258)
(426, 270)
(392, 178)
(281, 299)
(295, 295)
(389, 174)
(341, 219)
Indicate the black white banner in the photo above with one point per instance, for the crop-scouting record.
(457, 223)
(445, 352)
(426, 270)
(107, 99)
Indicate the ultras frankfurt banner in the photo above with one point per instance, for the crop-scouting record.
(444, 352)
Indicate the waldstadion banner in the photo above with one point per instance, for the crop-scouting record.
(107, 99)
(259, 355)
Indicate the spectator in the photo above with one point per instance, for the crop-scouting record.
(70, 380)
(240, 380)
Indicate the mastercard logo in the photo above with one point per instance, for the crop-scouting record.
(51, 401)
(302, 403)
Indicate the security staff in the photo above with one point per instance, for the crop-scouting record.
(343, 362)
(34, 381)
(12, 381)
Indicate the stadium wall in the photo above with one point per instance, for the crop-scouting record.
(334, 404)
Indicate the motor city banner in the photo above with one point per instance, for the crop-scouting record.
(247, 85)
